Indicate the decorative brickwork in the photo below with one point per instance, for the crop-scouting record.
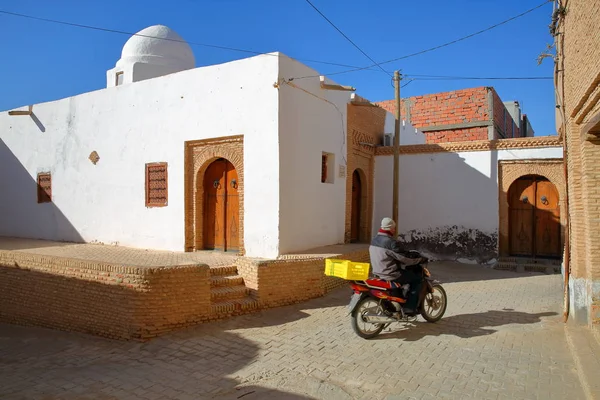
(365, 130)
(199, 155)
(478, 145)
(510, 171)
(577, 81)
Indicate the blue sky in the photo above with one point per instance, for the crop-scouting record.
(45, 61)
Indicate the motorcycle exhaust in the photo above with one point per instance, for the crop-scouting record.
(378, 319)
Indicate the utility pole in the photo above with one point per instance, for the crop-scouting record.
(397, 79)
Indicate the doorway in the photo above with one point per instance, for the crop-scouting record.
(356, 207)
(221, 207)
(534, 218)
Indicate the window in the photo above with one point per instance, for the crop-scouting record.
(44, 187)
(327, 167)
(119, 78)
(156, 185)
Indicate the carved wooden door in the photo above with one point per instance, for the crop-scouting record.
(534, 218)
(547, 220)
(221, 207)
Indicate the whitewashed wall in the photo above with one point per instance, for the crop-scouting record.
(450, 196)
(130, 126)
(312, 213)
(408, 133)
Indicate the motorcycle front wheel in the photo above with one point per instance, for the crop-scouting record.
(434, 304)
(364, 329)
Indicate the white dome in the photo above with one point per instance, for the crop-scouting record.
(149, 46)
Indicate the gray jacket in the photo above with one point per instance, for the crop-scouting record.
(387, 261)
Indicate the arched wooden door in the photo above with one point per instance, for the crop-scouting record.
(356, 207)
(221, 207)
(534, 218)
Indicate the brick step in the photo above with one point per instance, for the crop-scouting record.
(222, 271)
(524, 260)
(234, 306)
(510, 266)
(226, 280)
(228, 293)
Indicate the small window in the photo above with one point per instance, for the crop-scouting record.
(327, 167)
(157, 192)
(119, 78)
(44, 187)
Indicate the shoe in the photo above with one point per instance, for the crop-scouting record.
(409, 311)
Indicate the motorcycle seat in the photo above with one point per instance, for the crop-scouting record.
(382, 284)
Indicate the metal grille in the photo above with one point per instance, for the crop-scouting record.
(44, 185)
(157, 193)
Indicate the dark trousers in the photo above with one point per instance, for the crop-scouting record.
(415, 282)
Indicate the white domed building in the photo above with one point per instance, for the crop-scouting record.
(152, 52)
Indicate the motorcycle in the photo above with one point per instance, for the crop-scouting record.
(373, 307)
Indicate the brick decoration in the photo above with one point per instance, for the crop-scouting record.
(479, 145)
(105, 299)
(199, 154)
(509, 172)
(365, 130)
(44, 187)
(577, 78)
(157, 184)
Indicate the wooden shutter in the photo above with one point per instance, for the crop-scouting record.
(44, 187)
(157, 192)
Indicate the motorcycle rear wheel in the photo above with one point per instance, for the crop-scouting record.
(361, 327)
(434, 304)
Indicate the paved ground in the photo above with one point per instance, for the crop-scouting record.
(147, 258)
(501, 338)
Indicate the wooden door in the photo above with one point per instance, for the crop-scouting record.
(221, 207)
(521, 207)
(534, 218)
(356, 207)
(547, 220)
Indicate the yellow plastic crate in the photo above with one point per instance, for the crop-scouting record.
(346, 269)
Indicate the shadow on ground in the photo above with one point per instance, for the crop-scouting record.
(465, 325)
(165, 368)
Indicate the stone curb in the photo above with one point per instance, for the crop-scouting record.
(586, 354)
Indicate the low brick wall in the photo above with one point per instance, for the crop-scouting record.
(288, 281)
(104, 299)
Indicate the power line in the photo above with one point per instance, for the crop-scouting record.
(97, 28)
(441, 77)
(441, 45)
(347, 38)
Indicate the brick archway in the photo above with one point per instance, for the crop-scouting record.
(509, 172)
(199, 155)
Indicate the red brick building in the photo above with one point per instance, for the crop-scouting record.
(463, 115)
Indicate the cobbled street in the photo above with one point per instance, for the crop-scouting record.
(501, 338)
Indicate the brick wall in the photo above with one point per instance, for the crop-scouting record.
(578, 78)
(504, 125)
(103, 299)
(451, 108)
(293, 280)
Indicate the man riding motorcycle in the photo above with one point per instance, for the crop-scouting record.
(388, 263)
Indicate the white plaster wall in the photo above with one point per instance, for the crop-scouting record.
(445, 189)
(312, 213)
(408, 133)
(130, 126)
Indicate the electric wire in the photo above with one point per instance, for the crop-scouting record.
(375, 64)
(98, 28)
(439, 46)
